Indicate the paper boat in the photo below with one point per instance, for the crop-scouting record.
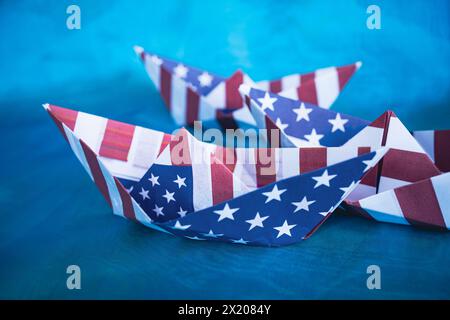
(131, 165)
(393, 191)
(192, 94)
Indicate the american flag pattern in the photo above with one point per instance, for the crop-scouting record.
(192, 94)
(299, 123)
(437, 144)
(257, 217)
(406, 166)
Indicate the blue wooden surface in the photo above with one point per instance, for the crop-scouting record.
(52, 216)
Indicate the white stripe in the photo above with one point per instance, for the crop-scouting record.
(145, 147)
(384, 207)
(206, 111)
(245, 166)
(290, 81)
(290, 94)
(361, 191)
(289, 165)
(367, 137)
(90, 129)
(399, 137)
(426, 140)
(263, 85)
(441, 185)
(244, 115)
(153, 71)
(202, 183)
(390, 183)
(178, 100)
(336, 155)
(327, 86)
(77, 149)
(216, 98)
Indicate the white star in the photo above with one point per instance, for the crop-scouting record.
(180, 182)
(350, 187)
(144, 194)
(267, 102)
(226, 212)
(368, 163)
(180, 71)
(257, 221)
(281, 125)
(211, 234)
(314, 138)
(130, 189)
(324, 179)
(241, 241)
(205, 79)
(274, 194)
(302, 112)
(338, 123)
(169, 196)
(158, 211)
(156, 60)
(194, 238)
(179, 226)
(182, 212)
(284, 229)
(153, 180)
(303, 205)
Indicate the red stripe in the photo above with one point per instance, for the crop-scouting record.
(221, 182)
(442, 150)
(265, 166)
(420, 205)
(307, 90)
(344, 74)
(312, 159)
(165, 85)
(233, 99)
(66, 116)
(97, 174)
(273, 133)
(165, 142)
(192, 99)
(117, 140)
(407, 166)
(227, 156)
(58, 124)
(371, 176)
(127, 205)
(275, 86)
(380, 122)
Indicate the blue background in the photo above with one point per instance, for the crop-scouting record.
(51, 215)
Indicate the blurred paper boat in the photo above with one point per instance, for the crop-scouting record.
(192, 94)
(150, 177)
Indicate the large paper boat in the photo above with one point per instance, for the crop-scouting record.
(158, 180)
(406, 187)
(192, 94)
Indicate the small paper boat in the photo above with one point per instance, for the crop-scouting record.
(406, 187)
(151, 177)
(192, 94)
